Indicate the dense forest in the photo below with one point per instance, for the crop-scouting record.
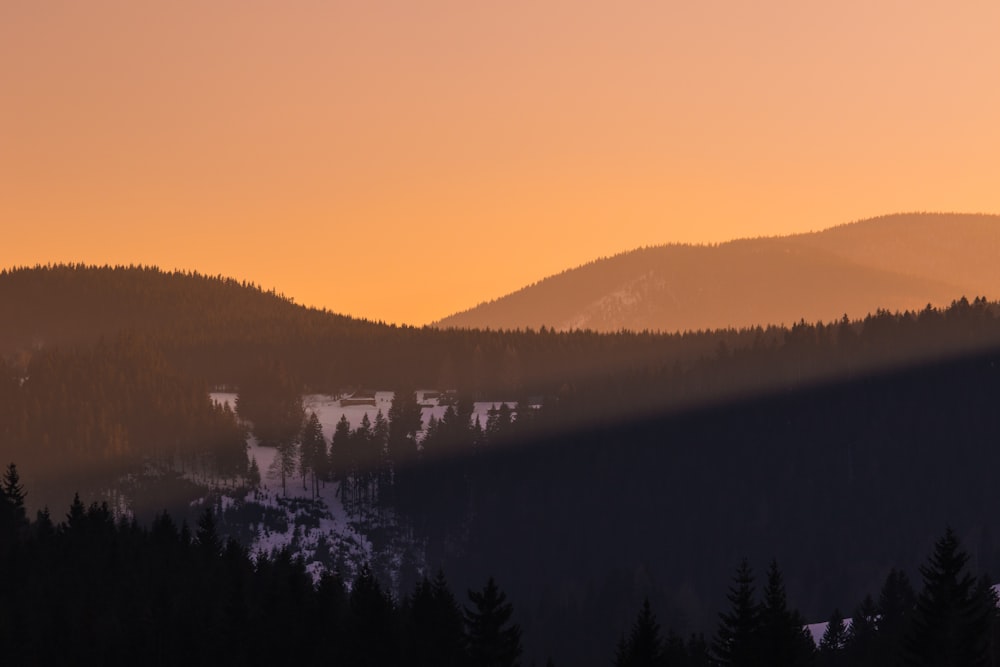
(626, 466)
(98, 590)
(217, 329)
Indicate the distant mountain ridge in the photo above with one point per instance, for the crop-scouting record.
(902, 261)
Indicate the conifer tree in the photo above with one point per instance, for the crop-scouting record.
(862, 637)
(380, 441)
(44, 529)
(954, 614)
(435, 634)
(12, 500)
(896, 603)
(361, 456)
(340, 445)
(492, 640)
(784, 639)
(253, 473)
(207, 534)
(833, 642)
(405, 421)
(736, 641)
(372, 636)
(314, 458)
(645, 647)
(498, 423)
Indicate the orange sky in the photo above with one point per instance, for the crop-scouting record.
(401, 161)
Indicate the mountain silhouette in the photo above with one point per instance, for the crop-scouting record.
(904, 261)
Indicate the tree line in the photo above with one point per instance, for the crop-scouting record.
(211, 327)
(103, 590)
(952, 620)
(99, 590)
(87, 418)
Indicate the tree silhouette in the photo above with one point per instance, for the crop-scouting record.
(13, 516)
(644, 647)
(954, 613)
(834, 642)
(784, 639)
(314, 458)
(737, 638)
(492, 640)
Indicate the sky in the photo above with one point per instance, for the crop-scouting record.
(400, 161)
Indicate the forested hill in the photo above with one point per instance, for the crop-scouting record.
(72, 304)
(840, 448)
(218, 330)
(896, 262)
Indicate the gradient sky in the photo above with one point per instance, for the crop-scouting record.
(403, 160)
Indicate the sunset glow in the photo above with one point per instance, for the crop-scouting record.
(403, 161)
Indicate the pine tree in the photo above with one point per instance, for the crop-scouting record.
(896, 603)
(434, 632)
(862, 637)
(736, 641)
(361, 457)
(833, 642)
(12, 497)
(372, 636)
(499, 421)
(207, 534)
(340, 445)
(784, 639)
(285, 461)
(645, 647)
(253, 473)
(313, 459)
(953, 618)
(405, 421)
(492, 640)
(380, 441)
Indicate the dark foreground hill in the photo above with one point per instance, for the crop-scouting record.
(896, 262)
(840, 483)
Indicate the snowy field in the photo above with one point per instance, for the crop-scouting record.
(329, 410)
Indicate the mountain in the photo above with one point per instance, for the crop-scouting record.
(893, 262)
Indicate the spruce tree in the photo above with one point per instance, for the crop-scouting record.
(313, 459)
(954, 613)
(645, 647)
(492, 640)
(372, 632)
(12, 499)
(862, 637)
(253, 473)
(736, 641)
(896, 604)
(207, 535)
(340, 445)
(834, 642)
(380, 441)
(784, 639)
(435, 635)
(405, 421)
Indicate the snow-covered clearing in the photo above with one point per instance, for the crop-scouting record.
(321, 530)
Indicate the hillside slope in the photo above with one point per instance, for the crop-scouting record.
(894, 262)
